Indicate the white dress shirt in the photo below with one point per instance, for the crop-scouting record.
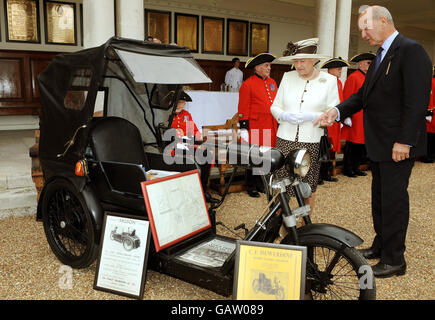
(296, 95)
(234, 78)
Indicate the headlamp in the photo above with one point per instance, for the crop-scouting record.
(298, 162)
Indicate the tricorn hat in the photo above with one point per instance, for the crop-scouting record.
(184, 96)
(304, 49)
(170, 95)
(363, 56)
(259, 59)
(335, 63)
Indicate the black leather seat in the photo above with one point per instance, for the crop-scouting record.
(117, 145)
(118, 140)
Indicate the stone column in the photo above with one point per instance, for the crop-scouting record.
(98, 27)
(98, 22)
(130, 18)
(342, 32)
(326, 26)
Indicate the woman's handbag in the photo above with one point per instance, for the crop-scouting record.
(324, 147)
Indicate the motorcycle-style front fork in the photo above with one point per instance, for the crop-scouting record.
(290, 217)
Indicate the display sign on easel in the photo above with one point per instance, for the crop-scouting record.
(268, 271)
(123, 256)
(176, 208)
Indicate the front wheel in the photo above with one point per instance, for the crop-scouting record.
(335, 271)
(68, 225)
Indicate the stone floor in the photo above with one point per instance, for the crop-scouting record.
(17, 190)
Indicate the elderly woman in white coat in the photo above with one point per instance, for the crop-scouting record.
(303, 95)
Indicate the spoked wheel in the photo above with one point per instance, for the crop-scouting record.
(128, 244)
(68, 225)
(335, 271)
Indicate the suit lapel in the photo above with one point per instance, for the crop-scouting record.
(373, 78)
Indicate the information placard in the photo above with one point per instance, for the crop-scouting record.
(267, 271)
(176, 208)
(123, 257)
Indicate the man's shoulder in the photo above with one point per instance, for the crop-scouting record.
(251, 79)
(409, 43)
(356, 75)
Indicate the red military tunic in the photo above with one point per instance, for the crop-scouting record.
(431, 125)
(334, 131)
(255, 99)
(184, 121)
(355, 133)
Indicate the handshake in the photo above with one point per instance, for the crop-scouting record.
(324, 120)
(327, 119)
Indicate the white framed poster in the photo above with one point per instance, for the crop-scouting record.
(123, 257)
(176, 208)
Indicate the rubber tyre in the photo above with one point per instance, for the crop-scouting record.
(349, 258)
(68, 225)
(128, 244)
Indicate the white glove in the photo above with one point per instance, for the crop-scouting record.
(289, 117)
(429, 118)
(244, 135)
(307, 116)
(348, 122)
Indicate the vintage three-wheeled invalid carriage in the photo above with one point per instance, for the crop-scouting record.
(93, 165)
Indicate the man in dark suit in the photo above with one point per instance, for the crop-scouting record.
(394, 97)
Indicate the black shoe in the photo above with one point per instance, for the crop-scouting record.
(330, 179)
(349, 174)
(320, 182)
(260, 188)
(370, 253)
(253, 193)
(427, 160)
(360, 173)
(382, 270)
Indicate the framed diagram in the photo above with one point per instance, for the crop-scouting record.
(22, 21)
(123, 256)
(187, 31)
(267, 271)
(60, 22)
(237, 37)
(213, 35)
(158, 25)
(176, 208)
(259, 38)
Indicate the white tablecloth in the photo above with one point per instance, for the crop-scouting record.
(212, 107)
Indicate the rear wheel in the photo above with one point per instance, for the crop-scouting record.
(68, 225)
(335, 271)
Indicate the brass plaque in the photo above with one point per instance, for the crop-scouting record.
(22, 16)
(237, 37)
(187, 31)
(259, 38)
(60, 20)
(213, 33)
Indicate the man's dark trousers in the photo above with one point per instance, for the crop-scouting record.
(390, 208)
